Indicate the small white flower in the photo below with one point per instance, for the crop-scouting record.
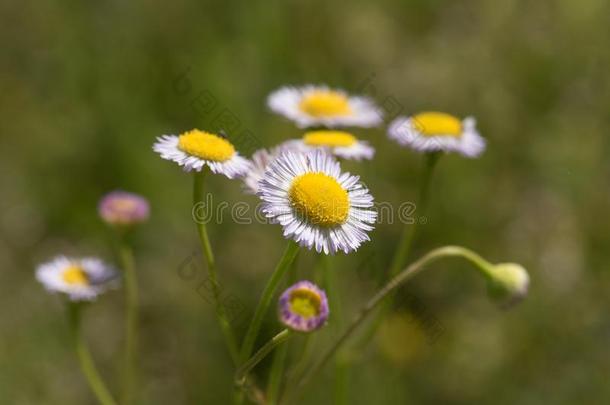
(339, 143)
(81, 279)
(260, 162)
(313, 105)
(195, 149)
(436, 131)
(317, 205)
(261, 159)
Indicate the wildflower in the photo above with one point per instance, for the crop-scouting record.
(313, 105)
(317, 205)
(303, 307)
(121, 208)
(339, 143)
(195, 149)
(508, 283)
(80, 279)
(437, 131)
(260, 162)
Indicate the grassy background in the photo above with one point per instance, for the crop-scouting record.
(86, 87)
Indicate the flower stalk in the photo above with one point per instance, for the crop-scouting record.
(403, 249)
(87, 365)
(263, 305)
(485, 267)
(206, 247)
(131, 322)
(242, 372)
(274, 384)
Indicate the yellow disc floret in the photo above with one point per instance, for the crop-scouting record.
(437, 123)
(75, 275)
(206, 146)
(325, 103)
(305, 303)
(320, 199)
(329, 138)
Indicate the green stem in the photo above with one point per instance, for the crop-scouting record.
(206, 247)
(448, 251)
(265, 300)
(404, 246)
(305, 349)
(84, 356)
(278, 365)
(131, 322)
(242, 372)
(275, 376)
(341, 369)
(403, 249)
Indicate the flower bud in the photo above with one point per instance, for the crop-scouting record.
(120, 208)
(508, 283)
(303, 307)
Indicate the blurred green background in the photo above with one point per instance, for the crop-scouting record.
(87, 86)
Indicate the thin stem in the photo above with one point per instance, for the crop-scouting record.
(265, 300)
(206, 247)
(131, 322)
(409, 231)
(275, 376)
(341, 369)
(404, 246)
(243, 371)
(301, 364)
(278, 365)
(87, 365)
(448, 251)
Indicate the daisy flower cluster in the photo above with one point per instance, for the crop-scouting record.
(303, 189)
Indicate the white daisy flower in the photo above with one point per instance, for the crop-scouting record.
(317, 205)
(195, 149)
(261, 159)
(436, 131)
(312, 105)
(339, 143)
(80, 279)
(260, 162)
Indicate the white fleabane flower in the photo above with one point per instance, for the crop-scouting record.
(339, 143)
(311, 105)
(195, 149)
(81, 279)
(317, 205)
(259, 163)
(437, 131)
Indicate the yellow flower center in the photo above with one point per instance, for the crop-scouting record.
(437, 123)
(206, 146)
(325, 103)
(329, 138)
(320, 199)
(74, 275)
(124, 204)
(305, 303)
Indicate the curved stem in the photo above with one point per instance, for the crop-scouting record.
(206, 247)
(448, 251)
(84, 356)
(265, 300)
(403, 249)
(278, 339)
(131, 322)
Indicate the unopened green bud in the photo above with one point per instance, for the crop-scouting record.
(508, 283)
